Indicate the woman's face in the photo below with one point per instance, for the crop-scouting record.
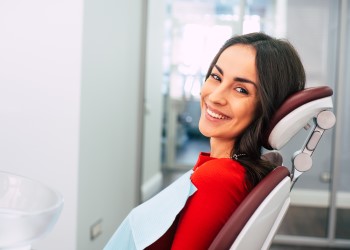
(229, 95)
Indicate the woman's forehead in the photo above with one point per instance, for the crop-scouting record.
(239, 50)
(239, 61)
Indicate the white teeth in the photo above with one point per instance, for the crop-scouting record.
(215, 115)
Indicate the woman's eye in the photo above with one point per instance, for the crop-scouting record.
(241, 90)
(216, 77)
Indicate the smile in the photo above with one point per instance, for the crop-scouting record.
(216, 115)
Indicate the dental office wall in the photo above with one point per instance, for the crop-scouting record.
(70, 74)
(152, 178)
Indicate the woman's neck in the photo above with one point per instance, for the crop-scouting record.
(221, 148)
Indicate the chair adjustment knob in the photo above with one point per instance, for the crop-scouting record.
(326, 119)
(302, 162)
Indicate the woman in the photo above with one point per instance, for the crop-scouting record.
(247, 81)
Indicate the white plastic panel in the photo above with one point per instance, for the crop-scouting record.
(264, 222)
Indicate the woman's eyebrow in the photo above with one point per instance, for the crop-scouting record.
(237, 79)
(244, 80)
(219, 69)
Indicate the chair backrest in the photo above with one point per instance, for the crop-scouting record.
(255, 222)
(240, 218)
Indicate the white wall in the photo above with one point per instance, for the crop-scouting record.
(40, 60)
(152, 176)
(69, 105)
(110, 101)
(313, 38)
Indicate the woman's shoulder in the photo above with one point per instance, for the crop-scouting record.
(222, 164)
(220, 172)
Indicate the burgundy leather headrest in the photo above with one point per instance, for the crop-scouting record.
(298, 107)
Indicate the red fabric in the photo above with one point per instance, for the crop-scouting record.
(221, 188)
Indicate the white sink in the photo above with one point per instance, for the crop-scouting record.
(28, 210)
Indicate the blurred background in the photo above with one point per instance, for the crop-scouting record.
(100, 100)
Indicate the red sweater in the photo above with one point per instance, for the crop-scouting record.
(220, 189)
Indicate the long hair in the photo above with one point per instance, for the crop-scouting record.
(280, 74)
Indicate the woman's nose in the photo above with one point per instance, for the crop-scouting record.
(218, 95)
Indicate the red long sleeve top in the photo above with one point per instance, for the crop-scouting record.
(221, 187)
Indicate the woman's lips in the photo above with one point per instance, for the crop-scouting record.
(216, 114)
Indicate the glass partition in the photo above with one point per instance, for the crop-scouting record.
(342, 227)
(320, 201)
(310, 28)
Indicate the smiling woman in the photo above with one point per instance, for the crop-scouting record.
(276, 71)
(247, 81)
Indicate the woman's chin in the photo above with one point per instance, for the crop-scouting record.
(205, 131)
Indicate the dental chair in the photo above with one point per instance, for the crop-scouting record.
(255, 222)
